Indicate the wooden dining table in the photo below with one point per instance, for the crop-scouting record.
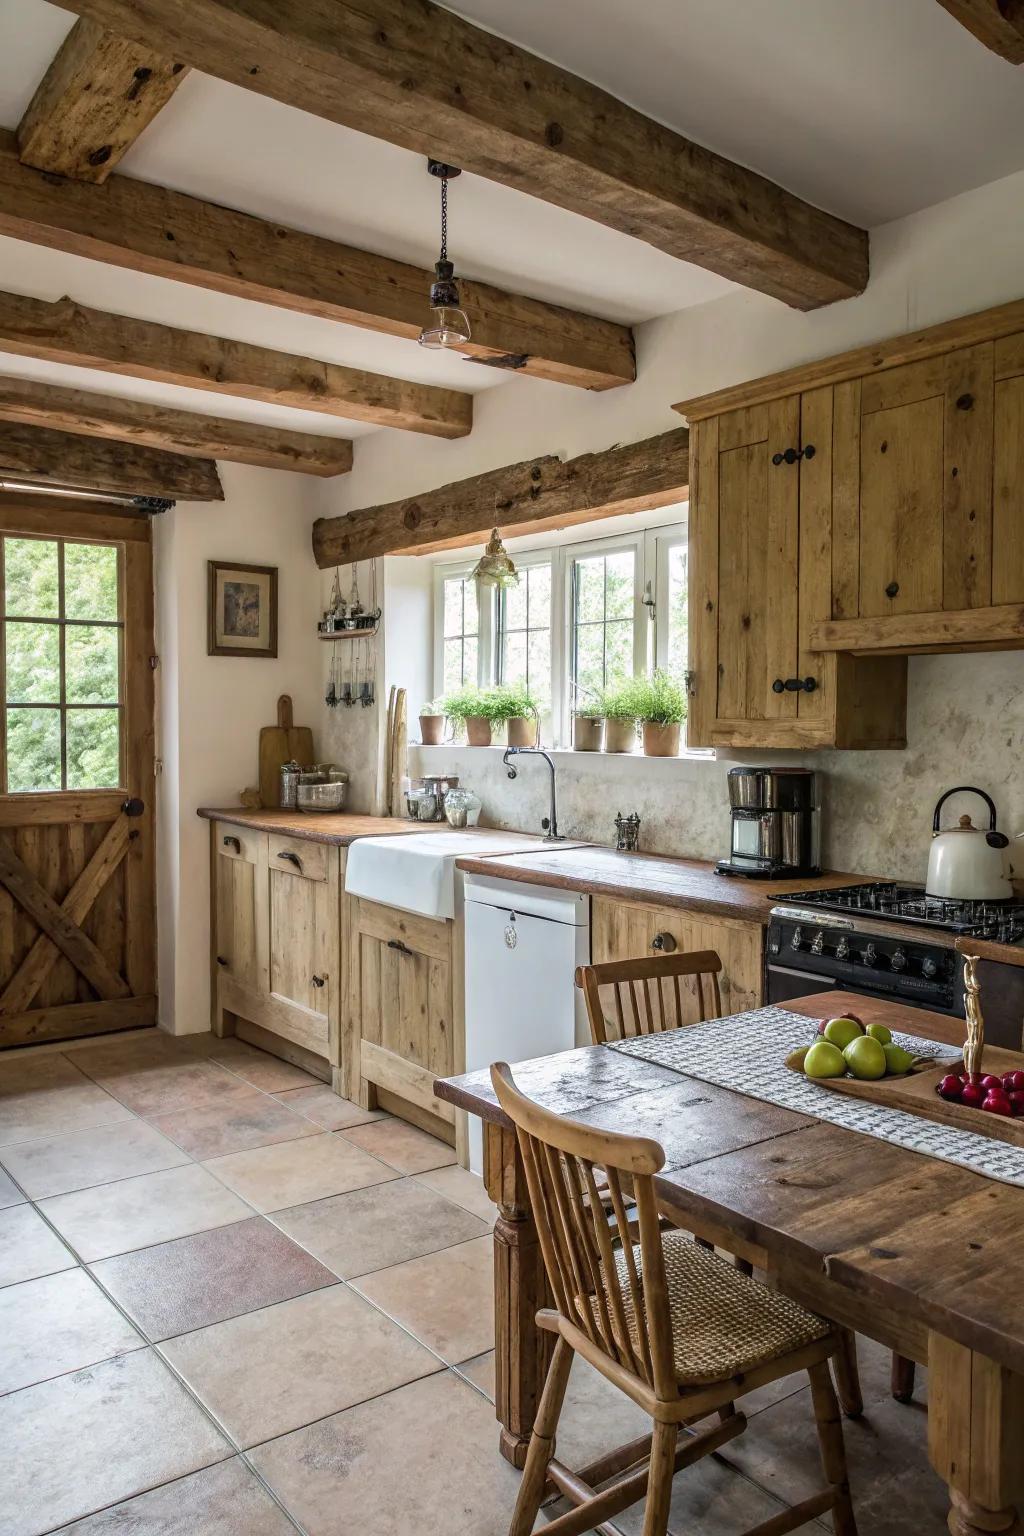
(923, 1255)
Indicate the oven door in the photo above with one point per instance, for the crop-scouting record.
(785, 983)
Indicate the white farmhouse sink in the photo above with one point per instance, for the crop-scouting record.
(417, 872)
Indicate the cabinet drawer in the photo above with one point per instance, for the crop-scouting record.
(297, 856)
(237, 842)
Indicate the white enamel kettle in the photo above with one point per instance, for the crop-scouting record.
(968, 863)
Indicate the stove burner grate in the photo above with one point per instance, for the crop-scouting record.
(999, 920)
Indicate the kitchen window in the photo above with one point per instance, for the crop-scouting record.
(62, 665)
(585, 616)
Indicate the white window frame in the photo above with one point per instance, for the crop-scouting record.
(651, 546)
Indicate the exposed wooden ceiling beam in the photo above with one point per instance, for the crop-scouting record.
(61, 458)
(156, 426)
(999, 24)
(134, 224)
(422, 77)
(537, 494)
(95, 99)
(62, 331)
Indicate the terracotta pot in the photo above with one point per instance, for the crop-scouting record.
(660, 740)
(587, 733)
(431, 730)
(522, 731)
(478, 730)
(619, 735)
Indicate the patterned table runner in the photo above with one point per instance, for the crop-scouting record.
(759, 1042)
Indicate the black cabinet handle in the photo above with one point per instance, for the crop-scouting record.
(892, 589)
(791, 455)
(403, 949)
(318, 981)
(233, 842)
(664, 942)
(794, 685)
(221, 960)
(292, 858)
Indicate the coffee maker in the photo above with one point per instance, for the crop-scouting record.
(775, 823)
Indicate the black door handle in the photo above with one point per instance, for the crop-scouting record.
(233, 842)
(133, 806)
(292, 858)
(791, 455)
(403, 949)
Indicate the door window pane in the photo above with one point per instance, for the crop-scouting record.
(93, 748)
(91, 663)
(33, 663)
(604, 591)
(90, 581)
(31, 579)
(33, 750)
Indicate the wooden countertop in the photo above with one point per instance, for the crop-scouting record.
(989, 949)
(659, 881)
(331, 827)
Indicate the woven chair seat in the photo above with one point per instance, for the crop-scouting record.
(724, 1323)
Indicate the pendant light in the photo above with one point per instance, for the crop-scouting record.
(447, 326)
(495, 567)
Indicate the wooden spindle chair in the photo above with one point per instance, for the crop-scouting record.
(674, 1326)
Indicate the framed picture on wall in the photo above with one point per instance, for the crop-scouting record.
(241, 609)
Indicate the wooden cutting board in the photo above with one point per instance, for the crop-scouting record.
(279, 744)
(914, 1092)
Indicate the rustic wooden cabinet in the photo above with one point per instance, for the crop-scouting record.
(399, 1030)
(624, 930)
(844, 515)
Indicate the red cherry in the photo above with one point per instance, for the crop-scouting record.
(973, 1096)
(821, 1026)
(997, 1104)
(950, 1087)
(1017, 1101)
(991, 1084)
(1013, 1082)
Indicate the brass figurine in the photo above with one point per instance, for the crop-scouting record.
(975, 1043)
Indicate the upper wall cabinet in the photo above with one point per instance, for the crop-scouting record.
(844, 515)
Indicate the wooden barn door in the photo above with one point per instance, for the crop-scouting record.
(77, 898)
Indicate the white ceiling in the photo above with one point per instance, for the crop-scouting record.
(871, 109)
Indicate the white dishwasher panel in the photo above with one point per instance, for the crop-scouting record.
(523, 944)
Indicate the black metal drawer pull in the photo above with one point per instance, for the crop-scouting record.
(221, 960)
(233, 842)
(292, 858)
(791, 455)
(794, 685)
(664, 942)
(403, 949)
(318, 981)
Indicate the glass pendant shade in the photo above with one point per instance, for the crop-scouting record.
(447, 326)
(495, 567)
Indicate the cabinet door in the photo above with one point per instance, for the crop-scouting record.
(303, 937)
(235, 880)
(1008, 509)
(626, 930)
(405, 990)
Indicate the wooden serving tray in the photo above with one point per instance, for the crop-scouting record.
(914, 1093)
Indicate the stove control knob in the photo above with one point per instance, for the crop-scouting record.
(928, 967)
(818, 943)
(843, 949)
(870, 955)
(898, 961)
(797, 938)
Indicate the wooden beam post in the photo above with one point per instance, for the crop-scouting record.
(521, 498)
(95, 99)
(420, 76)
(999, 24)
(134, 224)
(156, 426)
(62, 459)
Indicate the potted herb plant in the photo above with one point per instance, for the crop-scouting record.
(432, 723)
(471, 707)
(661, 709)
(587, 728)
(617, 706)
(514, 704)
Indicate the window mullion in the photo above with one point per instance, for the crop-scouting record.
(62, 653)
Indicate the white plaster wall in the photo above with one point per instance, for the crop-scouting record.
(211, 708)
(966, 713)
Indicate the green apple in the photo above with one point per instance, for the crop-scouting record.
(842, 1030)
(865, 1058)
(824, 1060)
(896, 1058)
(880, 1033)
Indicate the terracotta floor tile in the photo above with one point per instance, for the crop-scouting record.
(375, 1228)
(194, 1281)
(28, 1248)
(57, 1164)
(135, 1213)
(465, 1188)
(259, 1068)
(47, 1096)
(271, 1178)
(445, 1298)
(57, 1324)
(401, 1145)
(10, 1194)
(161, 1087)
(326, 1108)
(80, 1442)
(214, 1130)
(272, 1371)
(421, 1459)
(222, 1500)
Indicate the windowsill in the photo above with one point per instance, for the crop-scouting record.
(568, 754)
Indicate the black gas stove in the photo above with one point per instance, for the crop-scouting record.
(1002, 921)
(892, 941)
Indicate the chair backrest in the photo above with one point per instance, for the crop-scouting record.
(651, 994)
(623, 1307)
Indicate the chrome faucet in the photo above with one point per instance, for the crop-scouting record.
(550, 823)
